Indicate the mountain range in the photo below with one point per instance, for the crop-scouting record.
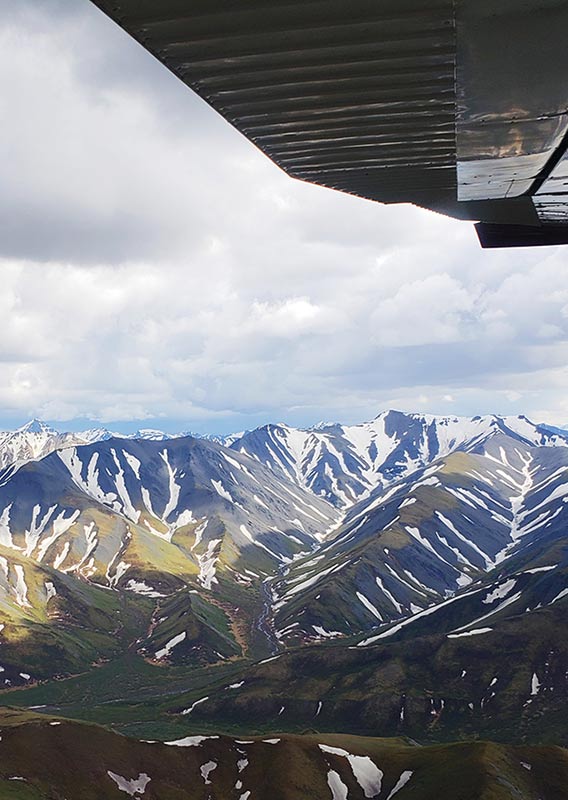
(37, 439)
(356, 456)
(403, 577)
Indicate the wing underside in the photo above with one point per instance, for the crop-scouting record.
(453, 105)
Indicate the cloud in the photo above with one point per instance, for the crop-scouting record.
(155, 266)
(434, 309)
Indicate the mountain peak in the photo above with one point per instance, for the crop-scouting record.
(37, 426)
(151, 434)
(322, 425)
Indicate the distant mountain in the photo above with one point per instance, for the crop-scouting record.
(341, 463)
(36, 439)
(31, 442)
(562, 430)
(345, 463)
(103, 434)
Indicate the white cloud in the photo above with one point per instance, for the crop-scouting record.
(432, 309)
(155, 265)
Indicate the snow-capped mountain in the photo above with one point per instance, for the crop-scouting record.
(152, 518)
(284, 537)
(103, 434)
(343, 463)
(31, 442)
(215, 506)
(36, 439)
(499, 504)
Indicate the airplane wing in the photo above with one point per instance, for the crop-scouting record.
(459, 106)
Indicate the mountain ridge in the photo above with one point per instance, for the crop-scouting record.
(38, 428)
(302, 562)
(435, 504)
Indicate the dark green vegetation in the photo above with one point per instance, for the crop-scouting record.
(431, 688)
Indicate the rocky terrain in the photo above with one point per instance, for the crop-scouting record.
(406, 577)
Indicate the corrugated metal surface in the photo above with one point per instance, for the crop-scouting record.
(455, 105)
(356, 96)
(512, 83)
(551, 201)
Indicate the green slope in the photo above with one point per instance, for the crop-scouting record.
(431, 688)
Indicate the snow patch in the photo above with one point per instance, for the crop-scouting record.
(206, 770)
(140, 587)
(166, 650)
(338, 788)
(367, 774)
(207, 563)
(500, 592)
(133, 786)
(221, 491)
(369, 606)
(402, 781)
(21, 587)
(193, 705)
(476, 632)
(50, 591)
(190, 741)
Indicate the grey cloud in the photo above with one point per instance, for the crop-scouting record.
(156, 266)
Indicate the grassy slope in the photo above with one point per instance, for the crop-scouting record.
(413, 688)
(73, 760)
(364, 690)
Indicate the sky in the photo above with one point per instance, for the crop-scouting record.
(156, 270)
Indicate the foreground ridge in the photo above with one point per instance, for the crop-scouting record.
(281, 766)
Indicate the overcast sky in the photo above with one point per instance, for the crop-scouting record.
(157, 270)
